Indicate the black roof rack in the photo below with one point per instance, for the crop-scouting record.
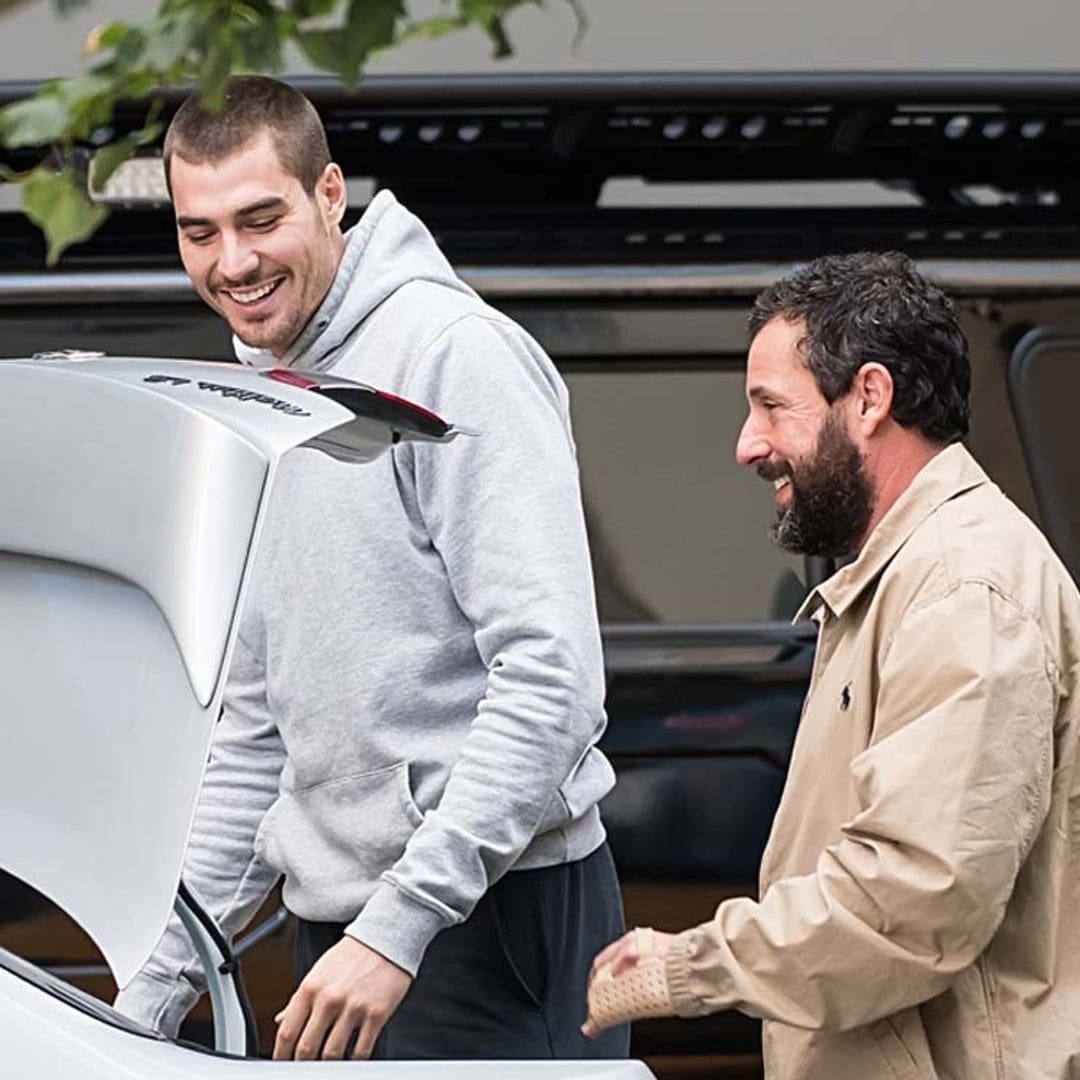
(526, 137)
(535, 151)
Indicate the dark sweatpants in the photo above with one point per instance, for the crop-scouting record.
(509, 982)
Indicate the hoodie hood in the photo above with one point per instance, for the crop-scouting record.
(389, 247)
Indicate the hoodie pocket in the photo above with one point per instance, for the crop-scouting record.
(592, 778)
(349, 829)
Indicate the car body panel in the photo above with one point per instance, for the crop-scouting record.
(46, 1038)
(134, 512)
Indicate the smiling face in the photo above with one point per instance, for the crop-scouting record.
(794, 438)
(259, 249)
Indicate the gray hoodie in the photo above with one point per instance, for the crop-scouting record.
(417, 689)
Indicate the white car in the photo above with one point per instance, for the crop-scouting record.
(133, 493)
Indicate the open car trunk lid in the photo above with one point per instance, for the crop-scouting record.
(133, 494)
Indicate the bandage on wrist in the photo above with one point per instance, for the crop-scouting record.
(636, 994)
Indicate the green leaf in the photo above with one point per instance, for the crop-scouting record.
(436, 27)
(168, 40)
(112, 35)
(323, 48)
(260, 44)
(33, 121)
(370, 25)
(217, 65)
(141, 85)
(489, 15)
(152, 127)
(312, 9)
(106, 161)
(127, 45)
(484, 11)
(56, 203)
(60, 110)
(500, 43)
(80, 88)
(89, 100)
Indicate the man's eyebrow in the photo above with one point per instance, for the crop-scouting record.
(272, 202)
(757, 392)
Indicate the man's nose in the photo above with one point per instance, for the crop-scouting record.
(752, 446)
(237, 260)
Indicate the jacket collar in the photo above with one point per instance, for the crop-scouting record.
(948, 474)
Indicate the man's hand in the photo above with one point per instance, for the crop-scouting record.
(350, 988)
(619, 958)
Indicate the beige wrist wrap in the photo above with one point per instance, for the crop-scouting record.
(636, 994)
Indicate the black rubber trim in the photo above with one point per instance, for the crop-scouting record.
(72, 995)
(230, 966)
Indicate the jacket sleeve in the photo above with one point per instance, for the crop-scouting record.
(950, 795)
(503, 509)
(221, 866)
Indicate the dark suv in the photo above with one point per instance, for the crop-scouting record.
(627, 222)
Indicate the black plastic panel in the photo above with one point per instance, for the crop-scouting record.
(1044, 385)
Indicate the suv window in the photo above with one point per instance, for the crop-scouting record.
(679, 530)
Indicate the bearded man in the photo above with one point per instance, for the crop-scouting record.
(917, 889)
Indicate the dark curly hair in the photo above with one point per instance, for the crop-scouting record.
(875, 306)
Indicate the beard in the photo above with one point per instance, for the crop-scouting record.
(831, 497)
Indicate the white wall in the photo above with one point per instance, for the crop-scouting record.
(667, 35)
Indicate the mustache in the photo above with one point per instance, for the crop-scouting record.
(774, 470)
(242, 283)
(255, 277)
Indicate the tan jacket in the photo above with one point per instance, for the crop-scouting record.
(920, 910)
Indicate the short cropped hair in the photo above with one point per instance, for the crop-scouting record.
(872, 306)
(252, 104)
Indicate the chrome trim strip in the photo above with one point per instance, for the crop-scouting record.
(115, 285)
(781, 649)
(708, 635)
(746, 279)
(963, 276)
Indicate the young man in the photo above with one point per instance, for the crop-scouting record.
(409, 732)
(917, 893)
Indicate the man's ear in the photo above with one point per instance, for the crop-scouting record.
(332, 194)
(872, 397)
